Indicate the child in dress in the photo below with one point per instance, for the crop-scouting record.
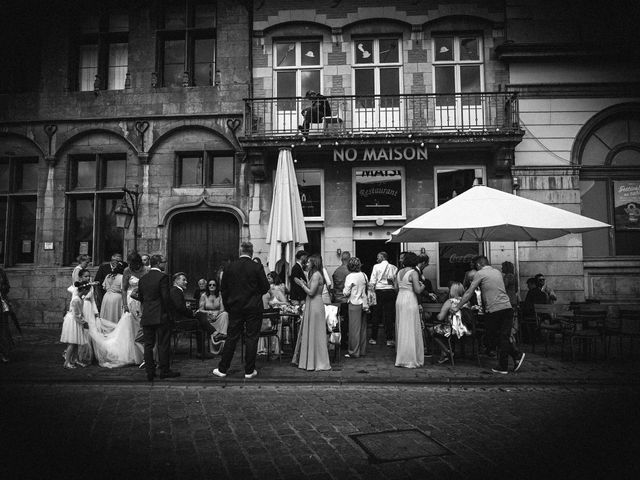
(450, 323)
(74, 331)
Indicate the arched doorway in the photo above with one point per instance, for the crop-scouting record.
(200, 242)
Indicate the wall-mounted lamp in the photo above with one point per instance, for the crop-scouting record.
(515, 183)
(186, 81)
(339, 252)
(96, 85)
(217, 78)
(423, 251)
(127, 81)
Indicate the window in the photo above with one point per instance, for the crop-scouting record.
(94, 192)
(204, 169)
(18, 201)
(377, 63)
(458, 71)
(454, 258)
(187, 37)
(297, 69)
(103, 51)
(311, 189)
(378, 193)
(610, 185)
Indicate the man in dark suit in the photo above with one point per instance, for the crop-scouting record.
(184, 317)
(105, 269)
(243, 285)
(153, 293)
(297, 294)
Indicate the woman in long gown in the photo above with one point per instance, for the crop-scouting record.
(111, 306)
(409, 344)
(113, 343)
(130, 278)
(312, 348)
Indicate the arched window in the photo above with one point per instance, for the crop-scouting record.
(609, 152)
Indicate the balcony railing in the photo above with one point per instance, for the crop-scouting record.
(383, 114)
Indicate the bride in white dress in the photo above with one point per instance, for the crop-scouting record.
(113, 343)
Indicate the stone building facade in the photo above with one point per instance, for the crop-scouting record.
(192, 101)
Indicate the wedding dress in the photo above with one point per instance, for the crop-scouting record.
(113, 343)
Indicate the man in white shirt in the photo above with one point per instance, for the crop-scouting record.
(381, 281)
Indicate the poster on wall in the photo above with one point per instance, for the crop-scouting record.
(454, 260)
(626, 205)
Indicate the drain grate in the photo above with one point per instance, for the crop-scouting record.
(395, 445)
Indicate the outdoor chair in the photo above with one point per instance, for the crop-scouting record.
(625, 326)
(548, 321)
(585, 329)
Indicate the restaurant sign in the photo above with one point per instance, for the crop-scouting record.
(379, 154)
(626, 202)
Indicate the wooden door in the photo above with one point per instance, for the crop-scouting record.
(200, 242)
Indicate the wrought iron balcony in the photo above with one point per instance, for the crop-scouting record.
(459, 113)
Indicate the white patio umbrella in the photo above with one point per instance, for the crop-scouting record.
(483, 214)
(286, 220)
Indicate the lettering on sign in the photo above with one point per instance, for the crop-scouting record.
(379, 154)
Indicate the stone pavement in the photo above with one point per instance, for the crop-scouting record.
(261, 431)
(37, 358)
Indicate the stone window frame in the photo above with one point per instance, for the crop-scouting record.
(302, 172)
(208, 159)
(11, 222)
(102, 196)
(190, 33)
(100, 30)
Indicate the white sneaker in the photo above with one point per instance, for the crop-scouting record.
(372, 341)
(251, 375)
(218, 373)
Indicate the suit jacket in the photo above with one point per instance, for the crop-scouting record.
(178, 305)
(296, 291)
(243, 285)
(153, 292)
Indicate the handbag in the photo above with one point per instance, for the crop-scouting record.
(369, 298)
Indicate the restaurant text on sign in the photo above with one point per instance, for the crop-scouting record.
(379, 154)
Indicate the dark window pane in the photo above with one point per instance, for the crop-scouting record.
(389, 51)
(445, 83)
(310, 189)
(309, 80)
(174, 65)
(203, 62)
(286, 87)
(444, 49)
(364, 87)
(4, 176)
(285, 54)
(3, 227)
(111, 237)
(310, 53)
(80, 227)
(205, 15)
(469, 49)
(364, 51)
(114, 176)
(453, 183)
(470, 82)
(390, 85)
(191, 171)
(119, 22)
(24, 235)
(85, 174)
(222, 171)
(175, 16)
(27, 175)
(626, 158)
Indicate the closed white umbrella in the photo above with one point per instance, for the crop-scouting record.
(486, 214)
(286, 220)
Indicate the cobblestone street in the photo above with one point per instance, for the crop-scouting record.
(293, 431)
